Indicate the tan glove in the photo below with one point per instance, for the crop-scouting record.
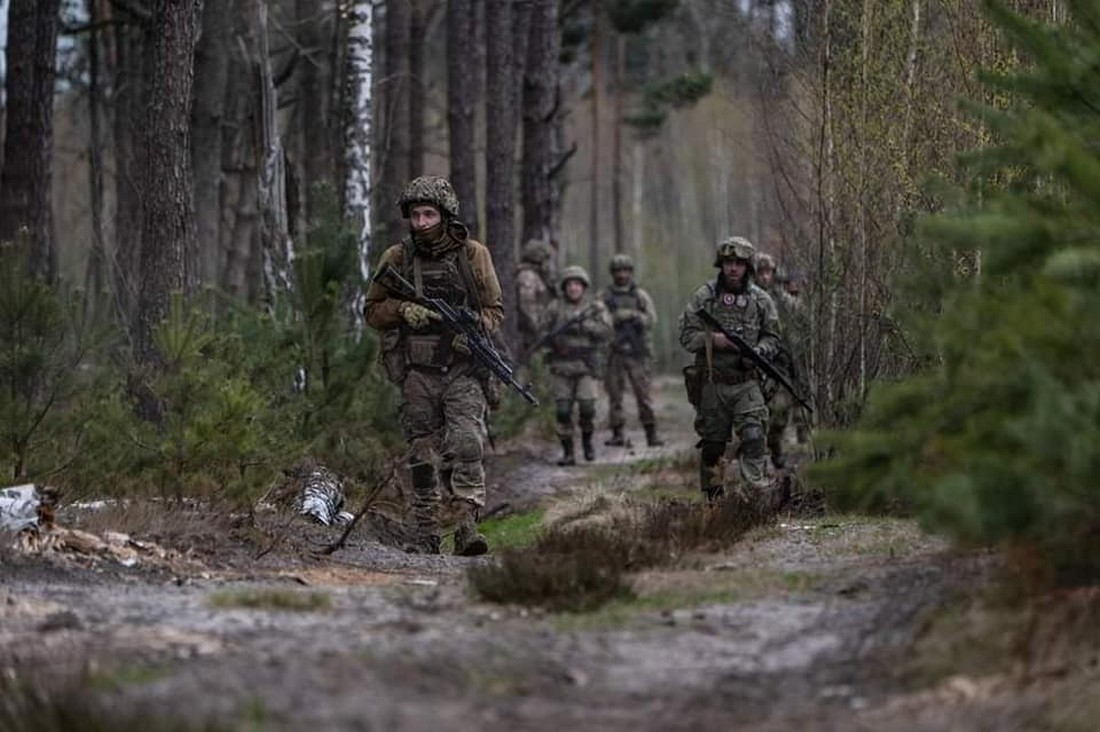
(625, 314)
(459, 344)
(416, 315)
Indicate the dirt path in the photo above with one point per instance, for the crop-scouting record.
(805, 624)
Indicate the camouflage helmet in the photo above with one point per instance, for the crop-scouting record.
(621, 261)
(734, 247)
(536, 251)
(433, 190)
(574, 272)
(764, 261)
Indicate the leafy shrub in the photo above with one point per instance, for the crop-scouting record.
(999, 440)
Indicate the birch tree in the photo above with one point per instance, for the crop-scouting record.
(359, 76)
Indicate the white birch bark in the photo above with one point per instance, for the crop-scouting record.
(357, 136)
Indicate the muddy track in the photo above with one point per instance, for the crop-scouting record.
(805, 624)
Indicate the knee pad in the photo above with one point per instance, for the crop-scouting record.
(422, 476)
(712, 452)
(587, 410)
(564, 412)
(752, 441)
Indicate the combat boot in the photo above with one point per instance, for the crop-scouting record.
(468, 541)
(586, 443)
(567, 457)
(425, 538)
(616, 439)
(651, 438)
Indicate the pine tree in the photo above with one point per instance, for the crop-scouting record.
(999, 441)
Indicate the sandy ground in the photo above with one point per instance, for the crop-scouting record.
(808, 624)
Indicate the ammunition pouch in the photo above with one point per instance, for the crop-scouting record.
(693, 383)
(392, 356)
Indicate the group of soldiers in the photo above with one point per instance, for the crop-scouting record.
(587, 339)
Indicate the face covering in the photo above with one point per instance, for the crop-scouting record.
(431, 237)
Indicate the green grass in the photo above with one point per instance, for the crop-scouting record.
(516, 530)
(271, 599)
(120, 677)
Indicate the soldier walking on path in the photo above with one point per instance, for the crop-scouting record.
(723, 385)
(534, 290)
(575, 358)
(781, 406)
(444, 406)
(631, 352)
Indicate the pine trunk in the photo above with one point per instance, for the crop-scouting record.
(211, 78)
(95, 277)
(168, 220)
(500, 151)
(314, 104)
(25, 183)
(462, 74)
(540, 101)
(395, 116)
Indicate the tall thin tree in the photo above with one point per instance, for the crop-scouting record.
(501, 121)
(28, 143)
(168, 240)
(359, 76)
(462, 75)
(540, 110)
(395, 115)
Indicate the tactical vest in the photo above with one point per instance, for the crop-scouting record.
(630, 337)
(741, 314)
(443, 277)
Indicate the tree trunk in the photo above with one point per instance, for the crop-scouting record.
(278, 249)
(168, 220)
(540, 101)
(462, 73)
(395, 116)
(617, 142)
(25, 184)
(594, 254)
(422, 12)
(500, 151)
(131, 47)
(211, 79)
(95, 278)
(314, 104)
(359, 76)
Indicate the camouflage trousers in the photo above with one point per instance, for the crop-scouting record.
(620, 370)
(578, 389)
(443, 420)
(724, 409)
(783, 411)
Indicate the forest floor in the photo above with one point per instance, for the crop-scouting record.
(812, 622)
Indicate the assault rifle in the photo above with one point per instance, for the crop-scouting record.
(460, 321)
(747, 351)
(549, 336)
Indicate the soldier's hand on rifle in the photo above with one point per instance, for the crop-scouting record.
(722, 343)
(416, 315)
(625, 315)
(460, 344)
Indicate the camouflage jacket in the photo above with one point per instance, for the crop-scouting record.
(751, 314)
(579, 350)
(532, 297)
(633, 335)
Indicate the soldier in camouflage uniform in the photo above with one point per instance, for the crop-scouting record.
(631, 351)
(781, 405)
(725, 386)
(575, 358)
(534, 290)
(443, 408)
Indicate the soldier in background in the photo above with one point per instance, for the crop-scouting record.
(631, 352)
(534, 290)
(444, 404)
(723, 385)
(575, 358)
